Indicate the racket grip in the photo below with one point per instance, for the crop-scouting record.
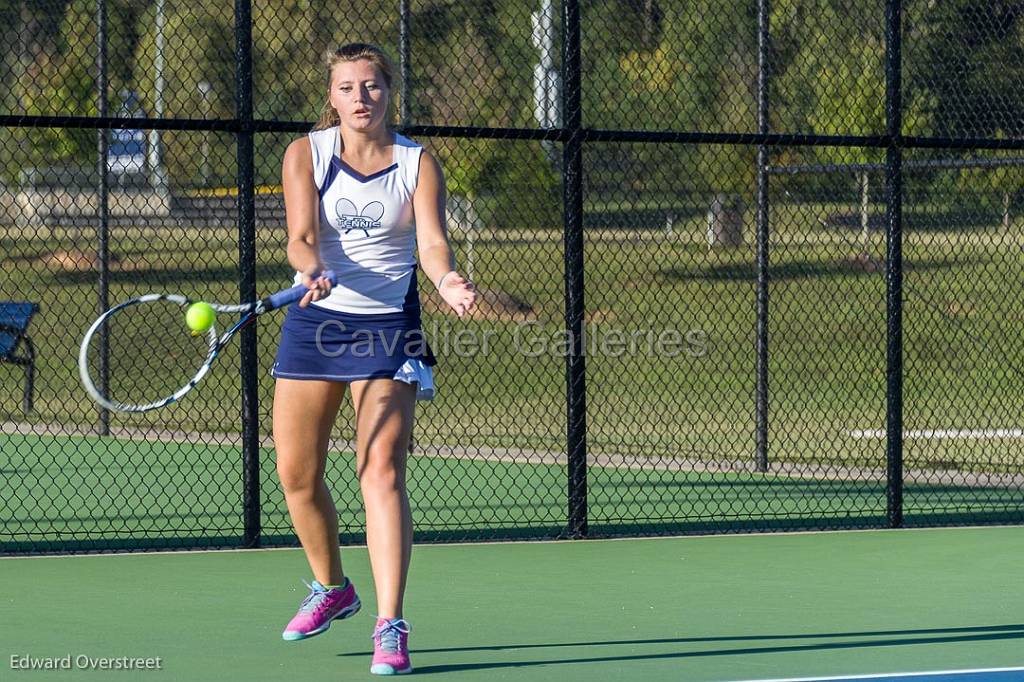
(289, 296)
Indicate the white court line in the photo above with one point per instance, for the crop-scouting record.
(978, 434)
(930, 673)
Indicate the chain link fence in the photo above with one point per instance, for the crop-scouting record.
(742, 265)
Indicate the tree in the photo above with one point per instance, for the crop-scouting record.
(33, 71)
(56, 74)
(473, 65)
(964, 78)
(828, 73)
(967, 65)
(198, 46)
(689, 74)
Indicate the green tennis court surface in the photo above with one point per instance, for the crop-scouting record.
(738, 607)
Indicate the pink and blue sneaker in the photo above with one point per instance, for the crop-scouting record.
(320, 608)
(391, 647)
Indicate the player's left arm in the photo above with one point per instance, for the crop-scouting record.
(436, 256)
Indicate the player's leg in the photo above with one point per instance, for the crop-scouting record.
(304, 412)
(384, 418)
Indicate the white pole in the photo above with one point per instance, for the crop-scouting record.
(157, 176)
(864, 208)
(206, 89)
(546, 80)
(545, 83)
(469, 251)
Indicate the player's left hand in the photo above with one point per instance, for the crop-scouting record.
(458, 292)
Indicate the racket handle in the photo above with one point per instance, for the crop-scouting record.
(289, 296)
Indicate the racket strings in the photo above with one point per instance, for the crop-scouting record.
(145, 353)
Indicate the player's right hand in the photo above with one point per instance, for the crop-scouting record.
(318, 285)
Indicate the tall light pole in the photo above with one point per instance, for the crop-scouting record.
(157, 176)
(546, 78)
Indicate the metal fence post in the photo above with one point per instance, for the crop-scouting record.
(894, 263)
(102, 207)
(572, 196)
(763, 47)
(247, 272)
(404, 55)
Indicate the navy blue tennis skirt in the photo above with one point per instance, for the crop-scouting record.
(319, 343)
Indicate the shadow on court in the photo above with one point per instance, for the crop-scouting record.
(886, 638)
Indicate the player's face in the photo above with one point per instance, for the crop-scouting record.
(359, 94)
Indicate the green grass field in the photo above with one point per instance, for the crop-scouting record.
(827, 328)
(827, 345)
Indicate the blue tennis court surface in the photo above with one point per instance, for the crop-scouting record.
(978, 675)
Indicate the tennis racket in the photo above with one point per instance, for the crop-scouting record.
(139, 355)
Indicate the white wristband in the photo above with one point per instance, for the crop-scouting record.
(440, 282)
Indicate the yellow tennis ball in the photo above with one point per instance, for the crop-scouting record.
(199, 317)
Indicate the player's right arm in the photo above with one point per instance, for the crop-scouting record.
(302, 212)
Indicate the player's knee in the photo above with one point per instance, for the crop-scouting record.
(295, 478)
(380, 474)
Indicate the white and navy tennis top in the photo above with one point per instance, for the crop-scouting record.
(367, 232)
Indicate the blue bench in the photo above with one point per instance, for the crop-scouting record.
(14, 319)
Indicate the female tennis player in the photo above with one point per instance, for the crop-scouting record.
(360, 200)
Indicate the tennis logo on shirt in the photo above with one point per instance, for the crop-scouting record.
(364, 220)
